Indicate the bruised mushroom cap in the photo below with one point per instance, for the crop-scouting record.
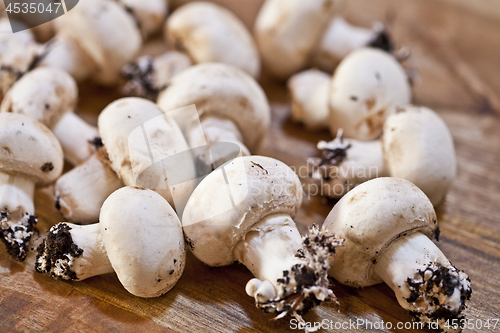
(106, 33)
(44, 93)
(418, 147)
(143, 239)
(370, 217)
(211, 33)
(288, 31)
(28, 148)
(365, 87)
(214, 221)
(224, 91)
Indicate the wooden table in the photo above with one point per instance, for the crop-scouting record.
(456, 49)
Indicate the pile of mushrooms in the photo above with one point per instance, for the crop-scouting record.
(199, 32)
(147, 157)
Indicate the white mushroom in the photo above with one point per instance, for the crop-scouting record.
(29, 154)
(50, 95)
(416, 145)
(210, 33)
(94, 40)
(365, 87)
(293, 33)
(386, 223)
(231, 105)
(243, 212)
(125, 158)
(139, 237)
(147, 76)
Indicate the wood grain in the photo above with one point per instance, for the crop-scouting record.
(456, 52)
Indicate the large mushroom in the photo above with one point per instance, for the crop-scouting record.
(363, 90)
(386, 224)
(231, 106)
(29, 155)
(292, 34)
(50, 95)
(247, 206)
(416, 145)
(139, 237)
(137, 138)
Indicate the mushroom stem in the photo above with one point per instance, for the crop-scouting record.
(424, 281)
(16, 213)
(76, 137)
(73, 252)
(217, 129)
(341, 38)
(80, 193)
(67, 55)
(290, 274)
(346, 163)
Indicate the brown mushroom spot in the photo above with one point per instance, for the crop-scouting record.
(374, 122)
(46, 167)
(7, 150)
(370, 103)
(357, 197)
(59, 91)
(243, 102)
(122, 103)
(328, 4)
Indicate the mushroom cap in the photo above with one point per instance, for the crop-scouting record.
(124, 127)
(234, 197)
(143, 239)
(224, 91)
(150, 14)
(418, 147)
(365, 87)
(370, 217)
(106, 33)
(29, 149)
(288, 32)
(44, 93)
(211, 33)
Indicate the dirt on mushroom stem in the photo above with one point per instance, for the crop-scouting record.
(306, 284)
(16, 230)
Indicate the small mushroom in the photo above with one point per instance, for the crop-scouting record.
(147, 76)
(208, 32)
(293, 33)
(94, 40)
(416, 145)
(231, 105)
(18, 53)
(365, 87)
(243, 212)
(29, 155)
(50, 95)
(386, 224)
(139, 237)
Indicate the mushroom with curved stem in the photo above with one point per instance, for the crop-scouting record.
(249, 203)
(386, 224)
(50, 95)
(292, 34)
(365, 87)
(231, 105)
(416, 145)
(94, 40)
(139, 237)
(208, 32)
(29, 155)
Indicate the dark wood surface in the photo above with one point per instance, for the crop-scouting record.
(456, 49)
